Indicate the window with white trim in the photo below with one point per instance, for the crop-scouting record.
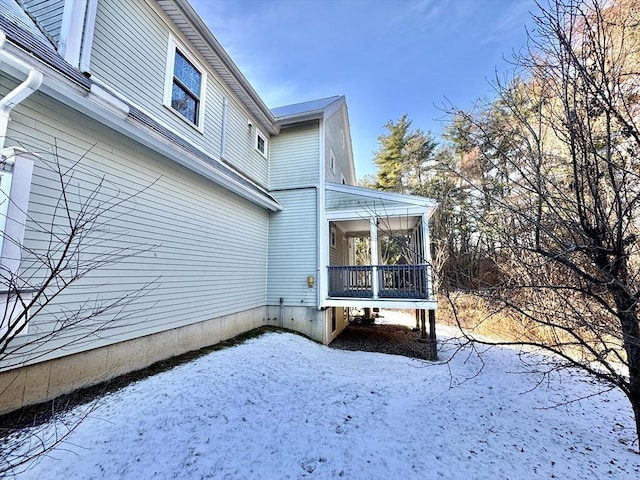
(185, 85)
(261, 142)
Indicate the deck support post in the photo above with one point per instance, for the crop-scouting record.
(373, 232)
(417, 329)
(423, 327)
(433, 343)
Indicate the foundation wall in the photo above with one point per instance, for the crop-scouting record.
(45, 381)
(308, 321)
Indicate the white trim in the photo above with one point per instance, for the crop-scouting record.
(172, 45)
(265, 138)
(359, 213)
(381, 195)
(72, 30)
(381, 303)
(16, 217)
(322, 232)
(87, 37)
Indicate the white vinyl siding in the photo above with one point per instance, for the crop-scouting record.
(294, 157)
(130, 55)
(334, 141)
(241, 145)
(48, 13)
(337, 253)
(208, 247)
(292, 249)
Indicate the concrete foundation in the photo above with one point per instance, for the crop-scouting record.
(47, 380)
(306, 320)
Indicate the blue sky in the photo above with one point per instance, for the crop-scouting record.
(389, 57)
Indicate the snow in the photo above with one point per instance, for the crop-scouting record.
(283, 407)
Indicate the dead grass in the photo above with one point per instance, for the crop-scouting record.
(477, 316)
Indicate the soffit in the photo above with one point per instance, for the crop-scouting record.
(199, 35)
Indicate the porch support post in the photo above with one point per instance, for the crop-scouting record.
(423, 327)
(433, 344)
(373, 232)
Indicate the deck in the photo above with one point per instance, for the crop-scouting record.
(380, 281)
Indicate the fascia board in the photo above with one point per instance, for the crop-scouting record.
(356, 213)
(300, 118)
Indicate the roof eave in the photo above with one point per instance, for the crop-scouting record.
(238, 84)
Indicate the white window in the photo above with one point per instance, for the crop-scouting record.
(333, 239)
(261, 142)
(185, 85)
(332, 161)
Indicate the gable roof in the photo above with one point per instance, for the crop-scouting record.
(300, 112)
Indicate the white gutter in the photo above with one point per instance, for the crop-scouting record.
(18, 94)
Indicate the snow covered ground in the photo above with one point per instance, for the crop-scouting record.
(283, 407)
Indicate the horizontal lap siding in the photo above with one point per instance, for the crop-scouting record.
(337, 253)
(292, 248)
(207, 247)
(294, 157)
(334, 128)
(240, 147)
(130, 54)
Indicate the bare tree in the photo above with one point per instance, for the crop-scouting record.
(40, 311)
(565, 227)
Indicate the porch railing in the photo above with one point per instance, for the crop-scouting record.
(392, 281)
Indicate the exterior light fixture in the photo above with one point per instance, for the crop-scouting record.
(311, 281)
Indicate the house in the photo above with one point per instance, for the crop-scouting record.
(220, 214)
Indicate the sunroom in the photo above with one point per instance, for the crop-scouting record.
(378, 253)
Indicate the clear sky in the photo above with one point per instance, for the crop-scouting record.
(389, 57)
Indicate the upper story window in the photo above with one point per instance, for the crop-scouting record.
(332, 161)
(185, 92)
(185, 86)
(261, 143)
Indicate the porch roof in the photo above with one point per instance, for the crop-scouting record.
(353, 207)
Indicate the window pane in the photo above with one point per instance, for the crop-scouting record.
(183, 103)
(260, 143)
(187, 74)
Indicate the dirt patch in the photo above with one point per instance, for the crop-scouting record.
(393, 339)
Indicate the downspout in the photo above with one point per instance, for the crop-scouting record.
(18, 94)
